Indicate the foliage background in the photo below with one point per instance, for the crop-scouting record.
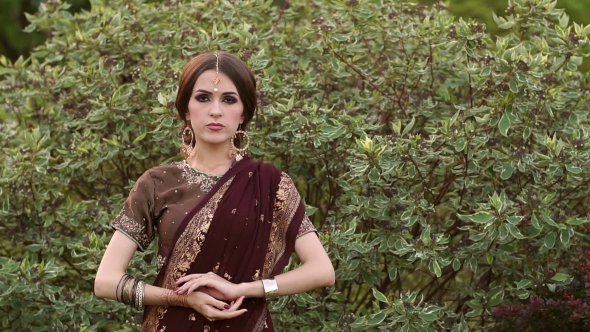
(15, 42)
(446, 170)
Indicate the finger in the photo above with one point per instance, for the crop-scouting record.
(213, 314)
(230, 314)
(192, 287)
(188, 277)
(218, 305)
(237, 303)
(182, 289)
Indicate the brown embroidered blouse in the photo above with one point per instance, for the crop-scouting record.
(160, 200)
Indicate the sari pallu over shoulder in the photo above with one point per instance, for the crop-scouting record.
(243, 230)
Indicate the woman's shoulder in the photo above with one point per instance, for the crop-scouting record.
(276, 173)
(269, 168)
(164, 171)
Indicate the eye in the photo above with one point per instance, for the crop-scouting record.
(202, 98)
(229, 100)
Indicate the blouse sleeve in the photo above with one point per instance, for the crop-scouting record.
(306, 227)
(136, 218)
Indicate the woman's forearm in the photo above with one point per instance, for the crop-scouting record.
(106, 287)
(307, 277)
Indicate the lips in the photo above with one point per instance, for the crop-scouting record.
(215, 126)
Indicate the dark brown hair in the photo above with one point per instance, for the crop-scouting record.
(230, 65)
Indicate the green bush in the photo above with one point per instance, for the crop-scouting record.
(446, 172)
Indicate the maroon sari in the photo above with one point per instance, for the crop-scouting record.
(243, 230)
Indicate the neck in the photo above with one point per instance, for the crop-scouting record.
(212, 159)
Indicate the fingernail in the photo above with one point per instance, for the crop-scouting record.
(226, 306)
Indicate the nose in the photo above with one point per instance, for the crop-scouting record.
(216, 109)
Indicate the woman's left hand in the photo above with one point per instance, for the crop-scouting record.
(213, 284)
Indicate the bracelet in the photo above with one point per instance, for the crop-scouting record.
(271, 288)
(139, 294)
(132, 291)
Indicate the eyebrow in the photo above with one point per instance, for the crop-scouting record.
(209, 92)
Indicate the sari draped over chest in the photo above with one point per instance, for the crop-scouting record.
(243, 230)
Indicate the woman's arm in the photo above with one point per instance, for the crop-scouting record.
(113, 265)
(315, 271)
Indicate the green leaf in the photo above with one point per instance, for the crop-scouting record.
(374, 175)
(478, 218)
(549, 241)
(379, 296)
(523, 283)
(486, 71)
(340, 37)
(409, 127)
(495, 295)
(460, 144)
(435, 268)
(456, 264)
(139, 138)
(504, 125)
(573, 169)
(506, 25)
(564, 237)
(377, 318)
(428, 317)
(507, 171)
(513, 86)
(515, 232)
(576, 221)
(559, 277)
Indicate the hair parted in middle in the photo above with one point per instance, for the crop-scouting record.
(230, 65)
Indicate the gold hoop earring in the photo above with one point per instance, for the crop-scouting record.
(187, 150)
(238, 153)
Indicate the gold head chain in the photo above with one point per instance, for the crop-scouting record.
(216, 78)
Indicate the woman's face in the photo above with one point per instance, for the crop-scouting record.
(214, 115)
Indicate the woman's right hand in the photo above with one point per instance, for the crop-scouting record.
(213, 309)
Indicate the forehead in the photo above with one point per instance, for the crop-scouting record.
(205, 80)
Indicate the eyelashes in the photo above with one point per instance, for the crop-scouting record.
(205, 98)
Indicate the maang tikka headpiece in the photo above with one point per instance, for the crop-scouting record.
(216, 78)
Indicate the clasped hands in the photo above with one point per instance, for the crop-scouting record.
(206, 293)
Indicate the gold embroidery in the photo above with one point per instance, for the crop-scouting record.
(133, 229)
(207, 328)
(193, 176)
(186, 250)
(261, 217)
(192, 317)
(160, 262)
(233, 211)
(216, 268)
(256, 276)
(227, 276)
(265, 325)
(249, 174)
(261, 320)
(286, 204)
(306, 227)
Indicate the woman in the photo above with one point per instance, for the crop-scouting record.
(226, 225)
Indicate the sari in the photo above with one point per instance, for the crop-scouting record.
(243, 230)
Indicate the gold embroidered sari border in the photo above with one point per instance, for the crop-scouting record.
(186, 250)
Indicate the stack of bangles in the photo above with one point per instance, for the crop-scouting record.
(132, 291)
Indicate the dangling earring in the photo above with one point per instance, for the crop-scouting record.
(235, 152)
(187, 150)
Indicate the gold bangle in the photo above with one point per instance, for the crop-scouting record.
(271, 288)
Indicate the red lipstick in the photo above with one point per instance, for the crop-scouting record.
(215, 126)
